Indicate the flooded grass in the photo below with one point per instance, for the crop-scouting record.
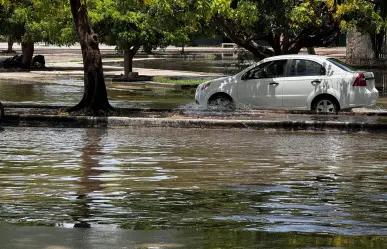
(178, 82)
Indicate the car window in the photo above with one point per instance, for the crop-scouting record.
(271, 69)
(341, 65)
(302, 67)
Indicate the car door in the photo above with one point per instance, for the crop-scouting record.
(305, 78)
(262, 86)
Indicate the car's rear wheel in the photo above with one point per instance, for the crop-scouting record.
(326, 105)
(222, 102)
(1, 112)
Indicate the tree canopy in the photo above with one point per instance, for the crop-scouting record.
(36, 21)
(44, 20)
(269, 27)
(125, 24)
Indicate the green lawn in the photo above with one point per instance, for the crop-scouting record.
(178, 82)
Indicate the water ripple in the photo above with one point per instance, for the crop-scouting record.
(175, 178)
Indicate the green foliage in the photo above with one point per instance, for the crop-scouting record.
(38, 20)
(286, 25)
(124, 23)
(181, 21)
(363, 14)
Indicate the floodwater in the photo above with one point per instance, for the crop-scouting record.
(195, 188)
(222, 63)
(69, 92)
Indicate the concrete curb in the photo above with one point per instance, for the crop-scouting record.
(111, 122)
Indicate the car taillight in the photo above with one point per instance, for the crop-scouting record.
(360, 80)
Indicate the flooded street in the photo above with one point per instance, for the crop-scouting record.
(188, 188)
(69, 92)
(233, 181)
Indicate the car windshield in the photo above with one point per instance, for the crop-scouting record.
(342, 65)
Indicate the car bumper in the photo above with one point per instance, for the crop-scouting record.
(365, 97)
(373, 97)
(201, 97)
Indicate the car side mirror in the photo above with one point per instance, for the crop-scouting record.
(244, 77)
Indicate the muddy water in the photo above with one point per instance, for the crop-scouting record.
(156, 179)
(69, 92)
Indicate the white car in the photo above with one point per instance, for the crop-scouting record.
(293, 82)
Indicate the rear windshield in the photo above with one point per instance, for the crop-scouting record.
(342, 65)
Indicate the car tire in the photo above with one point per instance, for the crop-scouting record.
(1, 112)
(325, 105)
(222, 102)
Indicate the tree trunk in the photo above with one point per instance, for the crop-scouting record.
(94, 100)
(10, 44)
(128, 61)
(182, 49)
(311, 50)
(359, 48)
(28, 53)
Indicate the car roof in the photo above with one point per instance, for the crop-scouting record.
(298, 56)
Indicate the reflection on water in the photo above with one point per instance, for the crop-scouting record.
(55, 94)
(70, 92)
(178, 179)
(223, 63)
(100, 238)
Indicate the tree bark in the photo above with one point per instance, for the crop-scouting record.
(311, 50)
(94, 100)
(128, 59)
(128, 62)
(359, 48)
(182, 49)
(28, 53)
(10, 44)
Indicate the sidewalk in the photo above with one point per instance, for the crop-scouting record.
(42, 48)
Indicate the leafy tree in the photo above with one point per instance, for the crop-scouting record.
(285, 25)
(366, 16)
(179, 21)
(28, 22)
(125, 24)
(8, 26)
(274, 27)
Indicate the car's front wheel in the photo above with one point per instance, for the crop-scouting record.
(222, 102)
(326, 105)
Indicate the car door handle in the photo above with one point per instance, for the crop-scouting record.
(274, 84)
(316, 82)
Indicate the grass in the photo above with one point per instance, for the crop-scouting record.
(381, 103)
(178, 82)
(382, 100)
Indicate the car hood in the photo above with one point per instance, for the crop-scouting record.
(224, 80)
